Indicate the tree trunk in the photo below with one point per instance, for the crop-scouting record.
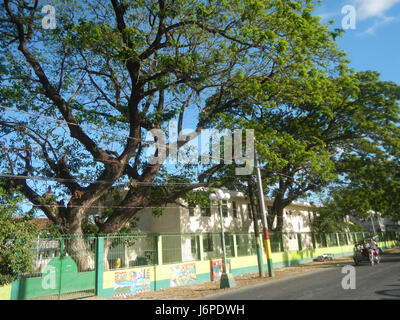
(76, 245)
(253, 210)
(277, 211)
(79, 249)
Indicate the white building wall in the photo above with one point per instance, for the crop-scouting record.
(168, 222)
(176, 218)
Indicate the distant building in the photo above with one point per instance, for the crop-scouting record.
(236, 213)
(379, 223)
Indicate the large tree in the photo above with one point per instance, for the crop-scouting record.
(368, 171)
(305, 140)
(369, 183)
(78, 99)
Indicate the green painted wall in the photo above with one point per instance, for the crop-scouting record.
(161, 276)
(246, 264)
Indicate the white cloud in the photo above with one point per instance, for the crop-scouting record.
(373, 8)
(377, 24)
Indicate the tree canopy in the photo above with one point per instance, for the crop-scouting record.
(307, 143)
(79, 100)
(16, 235)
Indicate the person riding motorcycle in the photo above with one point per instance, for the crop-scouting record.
(374, 246)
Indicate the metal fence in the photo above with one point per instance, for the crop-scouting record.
(246, 244)
(63, 268)
(147, 249)
(125, 251)
(212, 245)
(180, 248)
(144, 249)
(74, 259)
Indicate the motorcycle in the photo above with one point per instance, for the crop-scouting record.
(363, 253)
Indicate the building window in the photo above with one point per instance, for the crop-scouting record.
(208, 245)
(193, 245)
(224, 208)
(191, 212)
(205, 212)
(234, 209)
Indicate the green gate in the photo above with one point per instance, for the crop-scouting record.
(71, 274)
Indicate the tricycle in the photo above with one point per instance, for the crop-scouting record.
(363, 252)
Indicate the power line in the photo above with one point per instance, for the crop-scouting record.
(62, 122)
(161, 184)
(113, 133)
(105, 207)
(112, 206)
(22, 177)
(66, 154)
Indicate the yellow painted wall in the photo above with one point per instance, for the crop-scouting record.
(5, 292)
(163, 272)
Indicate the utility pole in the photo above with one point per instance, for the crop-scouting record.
(256, 231)
(267, 241)
(372, 222)
(227, 280)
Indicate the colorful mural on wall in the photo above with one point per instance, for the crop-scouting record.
(183, 274)
(217, 268)
(131, 282)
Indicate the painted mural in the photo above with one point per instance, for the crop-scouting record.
(183, 274)
(217, 268)
(131, 282)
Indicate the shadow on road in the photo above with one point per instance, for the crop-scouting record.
(392, 293)
(393, 290)
(388, 259)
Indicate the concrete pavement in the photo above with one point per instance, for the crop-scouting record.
(371, 283)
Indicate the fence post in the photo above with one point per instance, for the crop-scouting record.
(201, 247)
(325, 235)
(99, 266)
(349, 238)
(159, 249)
(61, 268)
(282, 241)
(300, 241)
(314, 243)
(235, 254)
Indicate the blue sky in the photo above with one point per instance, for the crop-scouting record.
(374, 44)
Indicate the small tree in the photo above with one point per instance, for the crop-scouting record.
(332, 218)
(16, 234)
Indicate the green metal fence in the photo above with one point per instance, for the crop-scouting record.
(178, 248)
(125, 251)
(64, 268)
(74, 259)
(320, 240)
(246, 245)
(276, 240)
(212, 245)
(141, 249)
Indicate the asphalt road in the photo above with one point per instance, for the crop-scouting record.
(378, 282)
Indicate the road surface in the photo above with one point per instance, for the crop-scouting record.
(379, 282)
